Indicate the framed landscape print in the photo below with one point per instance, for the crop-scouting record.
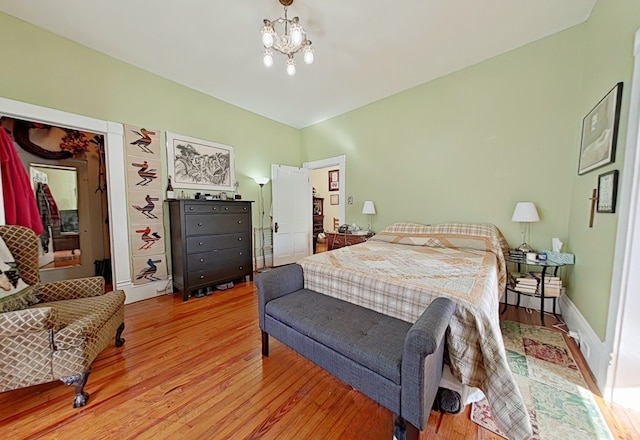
(199, 164)
(607, 191)
(600, 132)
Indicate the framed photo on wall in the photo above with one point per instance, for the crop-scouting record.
(199, 164)
(334, 180)
(607, 191)
(334, 199)
(600, 132)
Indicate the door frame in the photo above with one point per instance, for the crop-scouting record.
(623, 308)
(341, 163)
(117, 186)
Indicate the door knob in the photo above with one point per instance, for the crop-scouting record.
(275, 227)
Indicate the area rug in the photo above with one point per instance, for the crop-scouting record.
(554, 391)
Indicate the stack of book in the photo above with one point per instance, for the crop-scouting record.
(529, 283)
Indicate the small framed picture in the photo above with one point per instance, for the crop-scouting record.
(334, 199)
(607, 192)
(334, 180)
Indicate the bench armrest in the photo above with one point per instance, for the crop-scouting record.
(277, 282)
(422, 361)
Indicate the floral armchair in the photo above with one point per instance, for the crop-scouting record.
(59, 337)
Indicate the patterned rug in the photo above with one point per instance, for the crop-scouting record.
(558, 399)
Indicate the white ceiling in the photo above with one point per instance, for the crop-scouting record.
(365, 49)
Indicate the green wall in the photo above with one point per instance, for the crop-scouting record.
(468, 146)
(44, 69)
(609, 36)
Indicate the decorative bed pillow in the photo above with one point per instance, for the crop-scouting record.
(15, 294)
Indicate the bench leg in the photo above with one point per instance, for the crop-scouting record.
(405, 431)
(265, 343)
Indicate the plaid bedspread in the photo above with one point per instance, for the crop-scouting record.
(399, 271)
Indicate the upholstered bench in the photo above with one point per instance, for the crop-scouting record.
(395, 363)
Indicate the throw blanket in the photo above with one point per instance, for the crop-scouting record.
(402, 269)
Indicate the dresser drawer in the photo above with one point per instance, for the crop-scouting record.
(217, 242)
(212, 275)
(201, 224)
(208, 260)
(214, 207)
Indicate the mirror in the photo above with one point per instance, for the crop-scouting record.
(56, 191)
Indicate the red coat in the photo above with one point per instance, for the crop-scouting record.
(20, 207)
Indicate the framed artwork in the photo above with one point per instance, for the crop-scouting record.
(600, 132)
(334, 182)
(607, 191)
(334, 199)
(199, 164)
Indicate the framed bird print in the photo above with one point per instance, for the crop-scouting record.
(200, 164)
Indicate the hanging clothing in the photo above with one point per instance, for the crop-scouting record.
(20, 206)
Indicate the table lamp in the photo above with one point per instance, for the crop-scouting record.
(370, 209)
(526, 213)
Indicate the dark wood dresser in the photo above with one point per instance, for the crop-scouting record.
(210, 243)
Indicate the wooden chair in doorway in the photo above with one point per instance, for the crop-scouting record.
(336, 224)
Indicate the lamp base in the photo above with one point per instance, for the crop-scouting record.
(524, 247)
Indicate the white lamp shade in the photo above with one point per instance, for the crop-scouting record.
(368, 207)
(261, 180)
(525, 212)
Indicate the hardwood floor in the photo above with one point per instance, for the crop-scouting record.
(194, 370)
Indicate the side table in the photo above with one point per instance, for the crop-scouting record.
(544, 266)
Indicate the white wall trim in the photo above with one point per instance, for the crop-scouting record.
(592, 348)
(116, 187)
(627, 249)
(341, 163)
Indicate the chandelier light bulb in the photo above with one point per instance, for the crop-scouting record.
(291, 67)
(267, 34)
(308, 55)
(267, 58)
(296, 33)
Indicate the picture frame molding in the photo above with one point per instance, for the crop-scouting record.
(585, 166)
(607, 200)
(200, 146)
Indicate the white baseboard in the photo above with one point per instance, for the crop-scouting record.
(591, 347)
(141, 292)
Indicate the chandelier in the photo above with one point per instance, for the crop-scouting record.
(287, 37)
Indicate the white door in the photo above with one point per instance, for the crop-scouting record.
(292, 213)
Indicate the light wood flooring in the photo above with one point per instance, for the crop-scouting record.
(194, 370)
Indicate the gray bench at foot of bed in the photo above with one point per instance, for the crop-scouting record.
(395, 363)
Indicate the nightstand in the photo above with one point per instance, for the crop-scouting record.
(336, 240)
(547, 269)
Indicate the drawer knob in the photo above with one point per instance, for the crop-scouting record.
(226, 208)
(239, 222)
(201, 260)
(240, 267)
(240, 253)
(190, 208)
(200, 244)
(199, 224)
(201, 276)
(239, 238)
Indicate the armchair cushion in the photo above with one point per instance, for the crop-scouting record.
(15, 294)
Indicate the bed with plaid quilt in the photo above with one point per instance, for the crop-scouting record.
(402, 269)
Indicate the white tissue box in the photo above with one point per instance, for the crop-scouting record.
(560, 257)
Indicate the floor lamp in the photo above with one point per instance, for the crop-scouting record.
(262, 181)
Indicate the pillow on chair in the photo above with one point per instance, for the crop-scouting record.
(15, 294)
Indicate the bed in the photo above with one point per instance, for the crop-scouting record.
(402, 269)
